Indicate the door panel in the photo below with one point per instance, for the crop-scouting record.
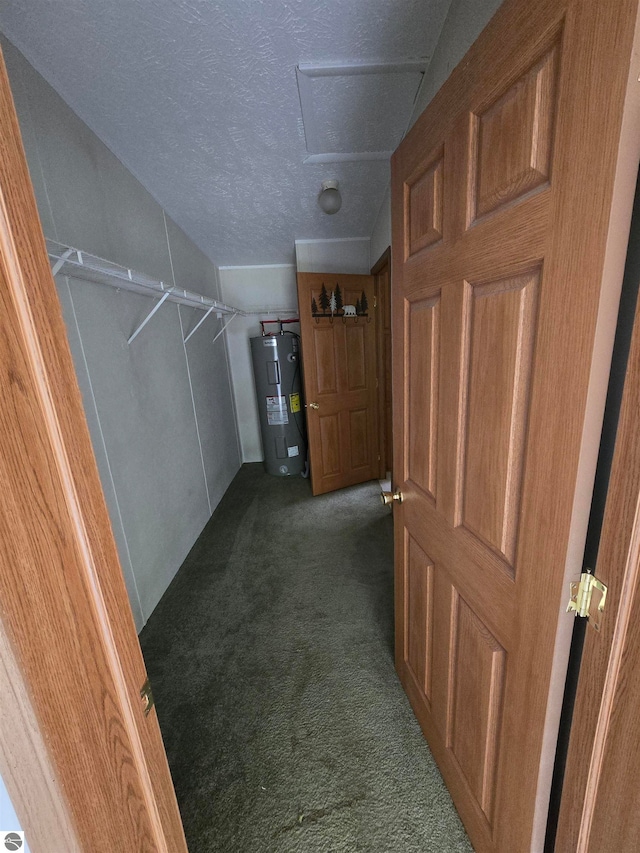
(337, 322)
(423, 342)
(424, 201)
(499, 353)
(419, 616)
(476, 703)
(323, 346)
(498, 282)
(356, 358)
(512, 139)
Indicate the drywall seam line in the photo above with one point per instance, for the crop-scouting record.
(186, 360)
(232, 394)
(195, 414)
(106, 454)
(38, 155)
(166, 232)
(232, 389)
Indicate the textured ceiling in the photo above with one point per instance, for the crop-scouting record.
(199, 99)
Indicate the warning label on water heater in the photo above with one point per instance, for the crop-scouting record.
(294, 402)
(277, 411)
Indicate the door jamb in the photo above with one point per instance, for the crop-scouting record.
(384, 452)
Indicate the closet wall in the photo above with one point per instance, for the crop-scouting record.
(160, 413)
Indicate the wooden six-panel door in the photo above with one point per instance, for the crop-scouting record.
(506, 277)
(337, 324)
(64, 612)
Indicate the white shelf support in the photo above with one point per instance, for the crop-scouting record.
(200, 322)
(232, 317)
(149, 316)
(60, 262)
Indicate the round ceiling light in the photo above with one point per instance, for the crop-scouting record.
(330, 200)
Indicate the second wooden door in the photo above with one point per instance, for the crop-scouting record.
(337, 322)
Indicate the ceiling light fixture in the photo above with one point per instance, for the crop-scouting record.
(330, 200)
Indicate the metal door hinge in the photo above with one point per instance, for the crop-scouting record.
(147, 697)
(582, 603)
(375, 301)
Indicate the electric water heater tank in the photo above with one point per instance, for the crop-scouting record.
(276, 370)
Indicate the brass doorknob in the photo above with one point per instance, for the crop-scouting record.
(388, 498)
(314, 405)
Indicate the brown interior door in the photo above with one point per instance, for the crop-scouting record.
(338, 329)
(64, 607)
(599, 808)
(505, 200)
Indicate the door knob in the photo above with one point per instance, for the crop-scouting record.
(388, 498)
(314, 405)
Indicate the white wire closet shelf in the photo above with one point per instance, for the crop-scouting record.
(84, 266)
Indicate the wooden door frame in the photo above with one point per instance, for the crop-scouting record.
(67, 639)
(599, 657)
(383, 451)
(618, 566)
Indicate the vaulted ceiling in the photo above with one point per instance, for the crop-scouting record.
(232, 112)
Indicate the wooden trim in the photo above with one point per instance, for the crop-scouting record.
(617, 567)
(383, 261)
(25, 766)
(625, 479)
(64, 603)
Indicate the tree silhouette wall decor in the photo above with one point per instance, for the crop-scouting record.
(324, 299)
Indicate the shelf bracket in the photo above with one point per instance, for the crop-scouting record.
(232, 317)
(155, 308)
(61, 262)
(200, 322)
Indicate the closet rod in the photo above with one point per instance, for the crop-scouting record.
(78, 264)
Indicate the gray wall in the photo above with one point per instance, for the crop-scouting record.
(160, 414)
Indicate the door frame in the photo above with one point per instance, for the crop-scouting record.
(595, 679)
(83, 744)
(616, 565)
(383, 298)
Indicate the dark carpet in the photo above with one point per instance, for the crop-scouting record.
(271, 662)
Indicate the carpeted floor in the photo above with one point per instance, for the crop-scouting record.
(271, 662)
